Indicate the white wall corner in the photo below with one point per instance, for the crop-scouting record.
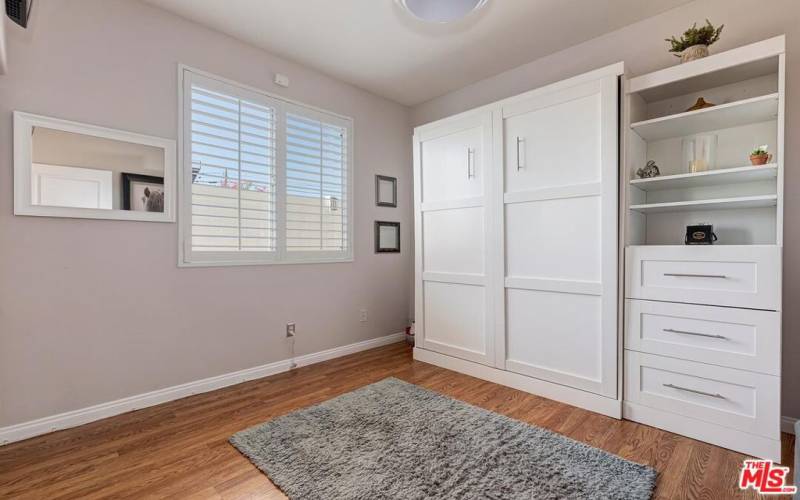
(25, 430)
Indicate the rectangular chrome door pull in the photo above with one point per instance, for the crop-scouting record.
(694, 391)
(520, 153)
(470, 163)
(684, 332)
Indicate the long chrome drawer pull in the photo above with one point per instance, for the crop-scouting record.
(683, 332)
(717, 395)
(683, 275)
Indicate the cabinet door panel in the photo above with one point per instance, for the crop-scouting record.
(556, 336)
(560, 239)
(452, 166)
(455, 320)
(555, 239)
(60, 186)
(453, 305)
(554, 145)
(454, 241)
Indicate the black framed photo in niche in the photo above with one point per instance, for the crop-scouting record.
(387, 237)
(142, 193)
(385, 191)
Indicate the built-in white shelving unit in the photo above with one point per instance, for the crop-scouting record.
(743, 202)
(702, 331)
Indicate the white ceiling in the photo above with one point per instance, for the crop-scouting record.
(375, 45)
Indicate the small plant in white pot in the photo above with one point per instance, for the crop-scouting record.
(694, 42)
(760, 155)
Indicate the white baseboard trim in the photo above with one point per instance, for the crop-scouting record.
(556, 392)
(787, 424)
(25, 430)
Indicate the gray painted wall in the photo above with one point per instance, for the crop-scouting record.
(93, 311)
(642, 48)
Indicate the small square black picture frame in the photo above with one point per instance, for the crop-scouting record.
(127, 178)
(385, 178)
(378, 225)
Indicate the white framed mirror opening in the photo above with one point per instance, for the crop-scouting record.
(69, 169)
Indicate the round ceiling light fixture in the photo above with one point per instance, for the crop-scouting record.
(441, 11)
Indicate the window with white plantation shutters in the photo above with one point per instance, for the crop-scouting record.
(316, 180)
(263, 180)
(233, 174)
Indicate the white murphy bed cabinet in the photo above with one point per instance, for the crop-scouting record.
(517, 247)
(703, 323)
(517, 262)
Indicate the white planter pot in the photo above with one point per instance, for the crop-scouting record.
(694, 52)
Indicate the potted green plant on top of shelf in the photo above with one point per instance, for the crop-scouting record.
(694, 42)
(760, 156)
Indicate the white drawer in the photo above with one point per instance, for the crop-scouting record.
(739, 338)
(735, 399)
(738, 276)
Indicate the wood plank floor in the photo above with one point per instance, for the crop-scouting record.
(180, 449)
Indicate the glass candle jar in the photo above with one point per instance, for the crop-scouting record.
(700, 153)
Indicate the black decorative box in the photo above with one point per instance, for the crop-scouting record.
(700, 234)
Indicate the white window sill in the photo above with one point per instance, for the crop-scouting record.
(223, 263)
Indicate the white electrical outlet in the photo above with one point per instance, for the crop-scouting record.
(363, 316)
(290, 330)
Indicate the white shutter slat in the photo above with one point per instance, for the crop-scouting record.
(298, 164)
(302, 141)
(228, 144)
(209, 118)
(233, 182)
(316, 169)
(223, 173)
(201, 130)
(216, 128)
(208, 161)
(215, 104)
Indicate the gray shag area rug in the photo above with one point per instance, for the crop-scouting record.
(396, 440)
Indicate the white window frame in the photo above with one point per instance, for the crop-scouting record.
(187, 258)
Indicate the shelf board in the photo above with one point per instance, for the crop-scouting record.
(666, 246)
(733, 114)
(769, 200)
(710, 178)
(735, 65)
